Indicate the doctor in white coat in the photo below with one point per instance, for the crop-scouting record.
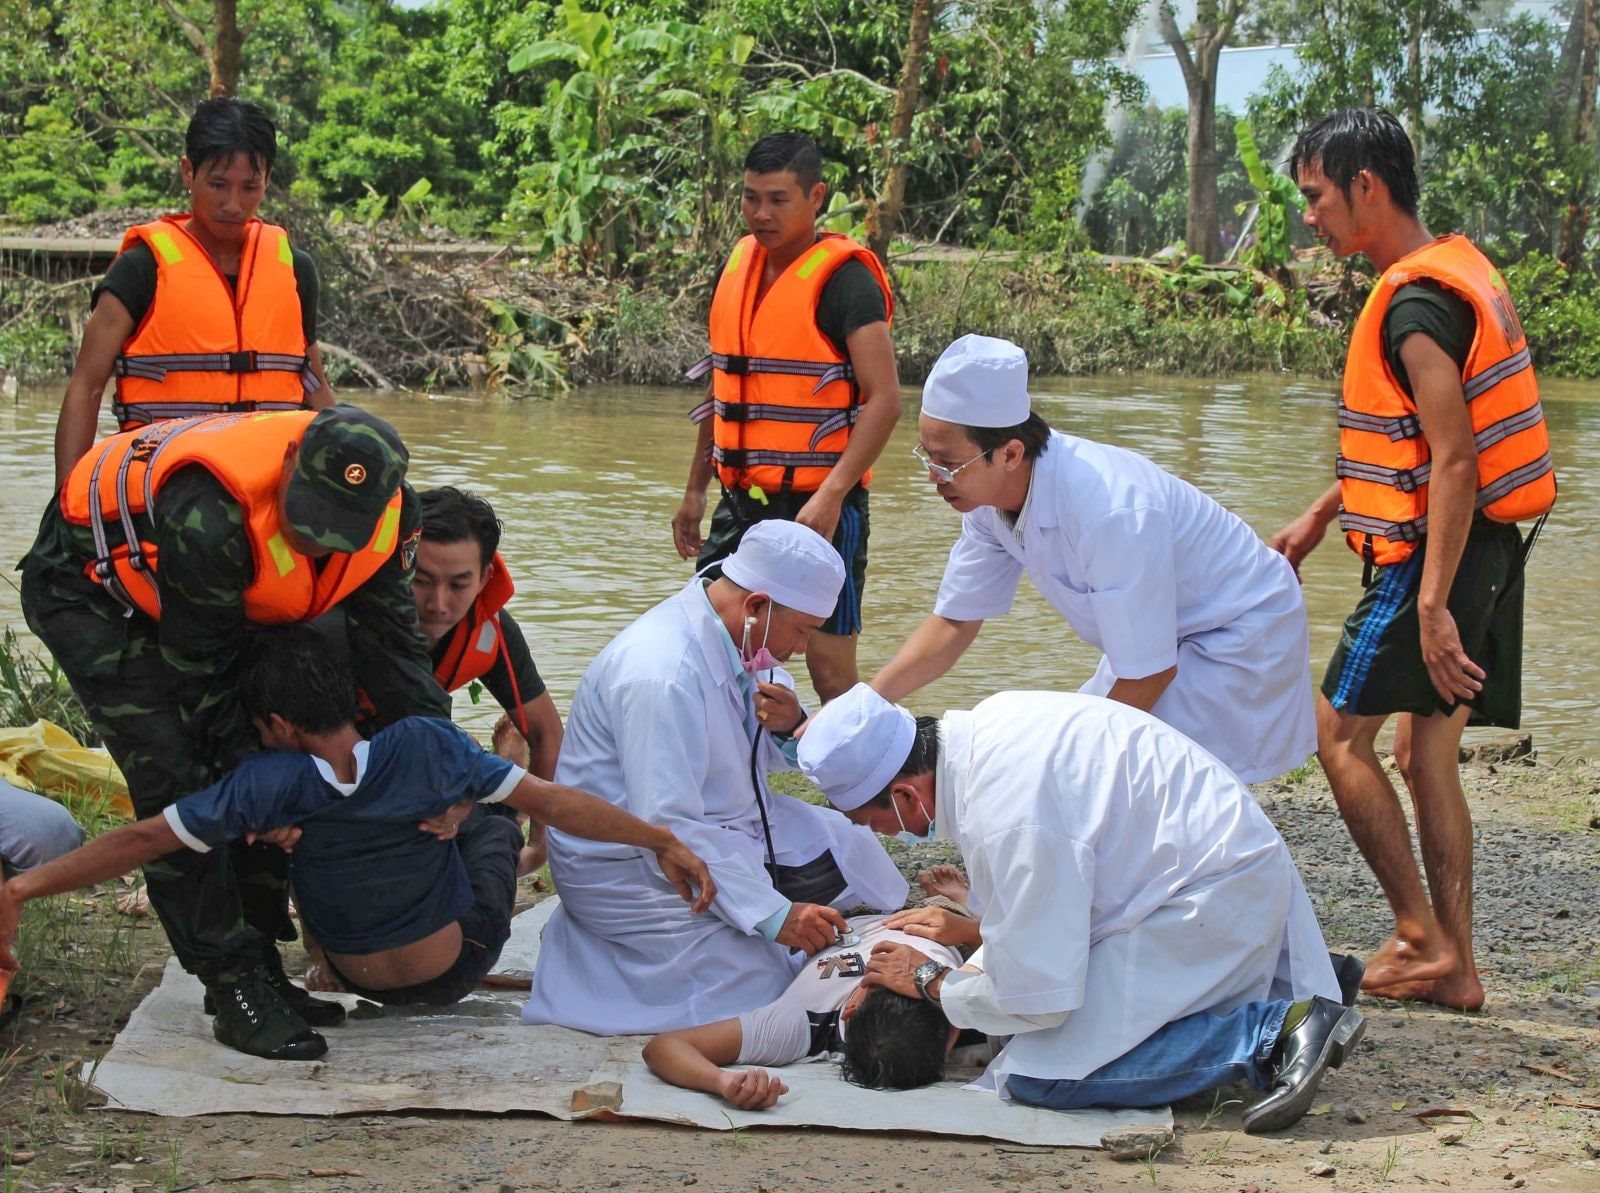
(684, 714)
(1199, 622)
(1145, 935)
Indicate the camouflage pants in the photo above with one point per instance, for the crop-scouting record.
(222, 909)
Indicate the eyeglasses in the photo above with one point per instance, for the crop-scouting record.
(941, 474)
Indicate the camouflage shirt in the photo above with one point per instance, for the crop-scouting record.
(205, 568)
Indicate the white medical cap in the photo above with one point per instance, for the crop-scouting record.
(791, 563)
(978, 381)
(855, 746)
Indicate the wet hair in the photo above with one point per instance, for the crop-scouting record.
(894, 1041)
(1351, 140)
(289, 670)
(922, 760)
(1034, 434)
(794, 153)
(451, 515)
(225, 126)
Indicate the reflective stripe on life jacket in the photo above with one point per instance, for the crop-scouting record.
(474, 644)
(204, 347)
(1384, 460)
(119, 482)
(783, 397)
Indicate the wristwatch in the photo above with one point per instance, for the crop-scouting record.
(925, 975)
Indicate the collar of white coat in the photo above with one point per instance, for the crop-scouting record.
(1039, 507)
(328, 777)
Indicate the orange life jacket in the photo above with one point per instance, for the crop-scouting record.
(121, 478)
(1384, 461)
(783, 397)
(203, 348)
(475, 643)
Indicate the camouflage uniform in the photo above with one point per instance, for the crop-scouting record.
(163, 693)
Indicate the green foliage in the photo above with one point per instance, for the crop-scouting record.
(1278, 202)
(51, 168)
(1560, 312)
(35, 689)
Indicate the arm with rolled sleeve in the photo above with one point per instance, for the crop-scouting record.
(388, 653)
(1035, 951)
(981, 576)
(664, 746)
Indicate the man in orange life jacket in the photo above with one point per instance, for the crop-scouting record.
(461, 587)
(210, 311)
(804, 390)
(167, 545)
(1442, 449)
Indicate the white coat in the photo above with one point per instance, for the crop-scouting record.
(1153, 572)
(1127, 879)
(662, 725)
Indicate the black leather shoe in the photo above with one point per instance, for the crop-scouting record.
(252, 1017)
(1349, 971)
(318, 1012)
(1328, 1034)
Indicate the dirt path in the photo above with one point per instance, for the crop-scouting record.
(1506, 1099)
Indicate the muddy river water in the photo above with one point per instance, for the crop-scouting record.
(587, 483)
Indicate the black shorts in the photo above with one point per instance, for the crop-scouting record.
(489, 848)
(738, 511)
(1377, 668)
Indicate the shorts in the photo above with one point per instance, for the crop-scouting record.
(489, 847)
(1377, 668)
(738, 511)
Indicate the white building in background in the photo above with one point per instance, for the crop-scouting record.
(1242, 70)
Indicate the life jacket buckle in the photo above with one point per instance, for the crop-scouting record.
(243, 362)
(1405, 480)
(734, 412)
(736, 366)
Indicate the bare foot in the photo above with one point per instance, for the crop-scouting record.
(1398, 961)
(1459, 992)
(135, 903)
(529, 859)
(946, 881)
(320, 979)
(509, 742)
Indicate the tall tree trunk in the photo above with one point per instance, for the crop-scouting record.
(1575, 227)
(885, 213)
(1198, 57)
(1414, 98)
(229, 41)
(222, 51)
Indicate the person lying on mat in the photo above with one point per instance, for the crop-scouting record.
(880, 1039)
(403, 916)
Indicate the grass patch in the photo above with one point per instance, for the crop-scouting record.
(36, 689)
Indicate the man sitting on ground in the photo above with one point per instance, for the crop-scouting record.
(404, 916)
(881, 1039)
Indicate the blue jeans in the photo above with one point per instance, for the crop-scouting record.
(1199, 1052)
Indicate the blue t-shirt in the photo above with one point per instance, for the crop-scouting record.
(365, 877)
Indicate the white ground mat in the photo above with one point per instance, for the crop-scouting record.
(477, 1056)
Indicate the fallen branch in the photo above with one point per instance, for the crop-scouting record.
(1550, 1072)
(368, 371)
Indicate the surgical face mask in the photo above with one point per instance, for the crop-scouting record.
(905, 834)
(763, 659)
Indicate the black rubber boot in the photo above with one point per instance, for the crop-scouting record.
(252, 1017)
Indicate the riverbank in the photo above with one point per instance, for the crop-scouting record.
(1504, 1099)
(396, 316)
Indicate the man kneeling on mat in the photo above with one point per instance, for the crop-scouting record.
(404, 916)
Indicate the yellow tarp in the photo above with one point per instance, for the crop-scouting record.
(46, 758)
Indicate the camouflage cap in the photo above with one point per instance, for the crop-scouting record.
(349, 465)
